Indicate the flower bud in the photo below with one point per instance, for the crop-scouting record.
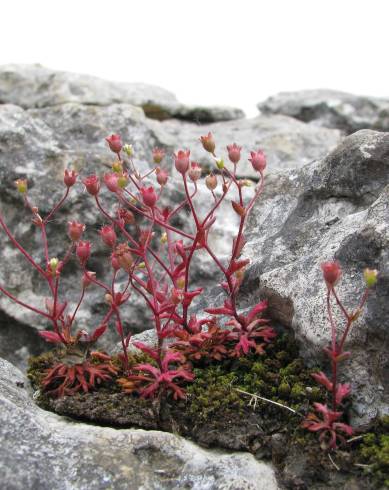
(117, 167)
(114, 142)
(75, 230)
(123, 180)
(83, 251)
(92, 184)
(194, 171)
(162, 176)
(70, 177)
(211, 182)
(21, 185)
(53, 266)
(234, 153)
(181, 282)
(181, 161)
(114, 262)
(87, 278)
(158, 155)
(149, 196)
(258, 160)
(240, 210)
(108, 298)
(111, 181)
(141, 265)
(128, 150)
(108, 235)
(219, 163)
(208, 143)
(176, 296)
(370, 276)
(331, 273)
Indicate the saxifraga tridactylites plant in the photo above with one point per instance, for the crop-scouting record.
(327, 420)
(156, 267)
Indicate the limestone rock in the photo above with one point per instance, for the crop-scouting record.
(331, 109)
(287, 143)
(333, 209)
(34, 86)
(45, 451)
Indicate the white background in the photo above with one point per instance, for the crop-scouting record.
(207, 51)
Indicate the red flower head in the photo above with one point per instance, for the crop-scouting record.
(75, 230)
(234, 153)
(158, 155)
(258, 160)
(83, 251)
(181, 161)
(162, 176)
(123, 257)
(115, 143)
(108, 235)
(92, 184)
(112, 182)
(208, 143)
(331, 273)
(194, 171)
(149, 196)
(126, 215)
(70, 177)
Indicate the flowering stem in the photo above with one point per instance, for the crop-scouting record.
(20, 248)
(25, 305)
(55, 209)
(120, 325)
(190, 202)
(77, 307)
(334, 350)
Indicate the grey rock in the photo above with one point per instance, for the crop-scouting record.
(39, 144)
(34, 86)
(333, 209)
(208, 114)
(287, 143)
(41, 450)
(331, 109)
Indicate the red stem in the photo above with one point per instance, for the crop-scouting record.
(333, 349)
(25, 305)
(55, 209)
(21, 249)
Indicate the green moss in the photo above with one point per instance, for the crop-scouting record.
(37, 366)
(374, 452)
(315, 394)
(298, 392)
(277, 375)
(284, 390)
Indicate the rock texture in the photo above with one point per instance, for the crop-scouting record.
(333, 209)
(331, 109)
(54, 120)
(287, 143)
(34, 86)
(41, 450)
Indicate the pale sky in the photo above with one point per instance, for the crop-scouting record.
(207, 51)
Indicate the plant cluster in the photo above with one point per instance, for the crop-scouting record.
(327, 420)
(153, 258)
